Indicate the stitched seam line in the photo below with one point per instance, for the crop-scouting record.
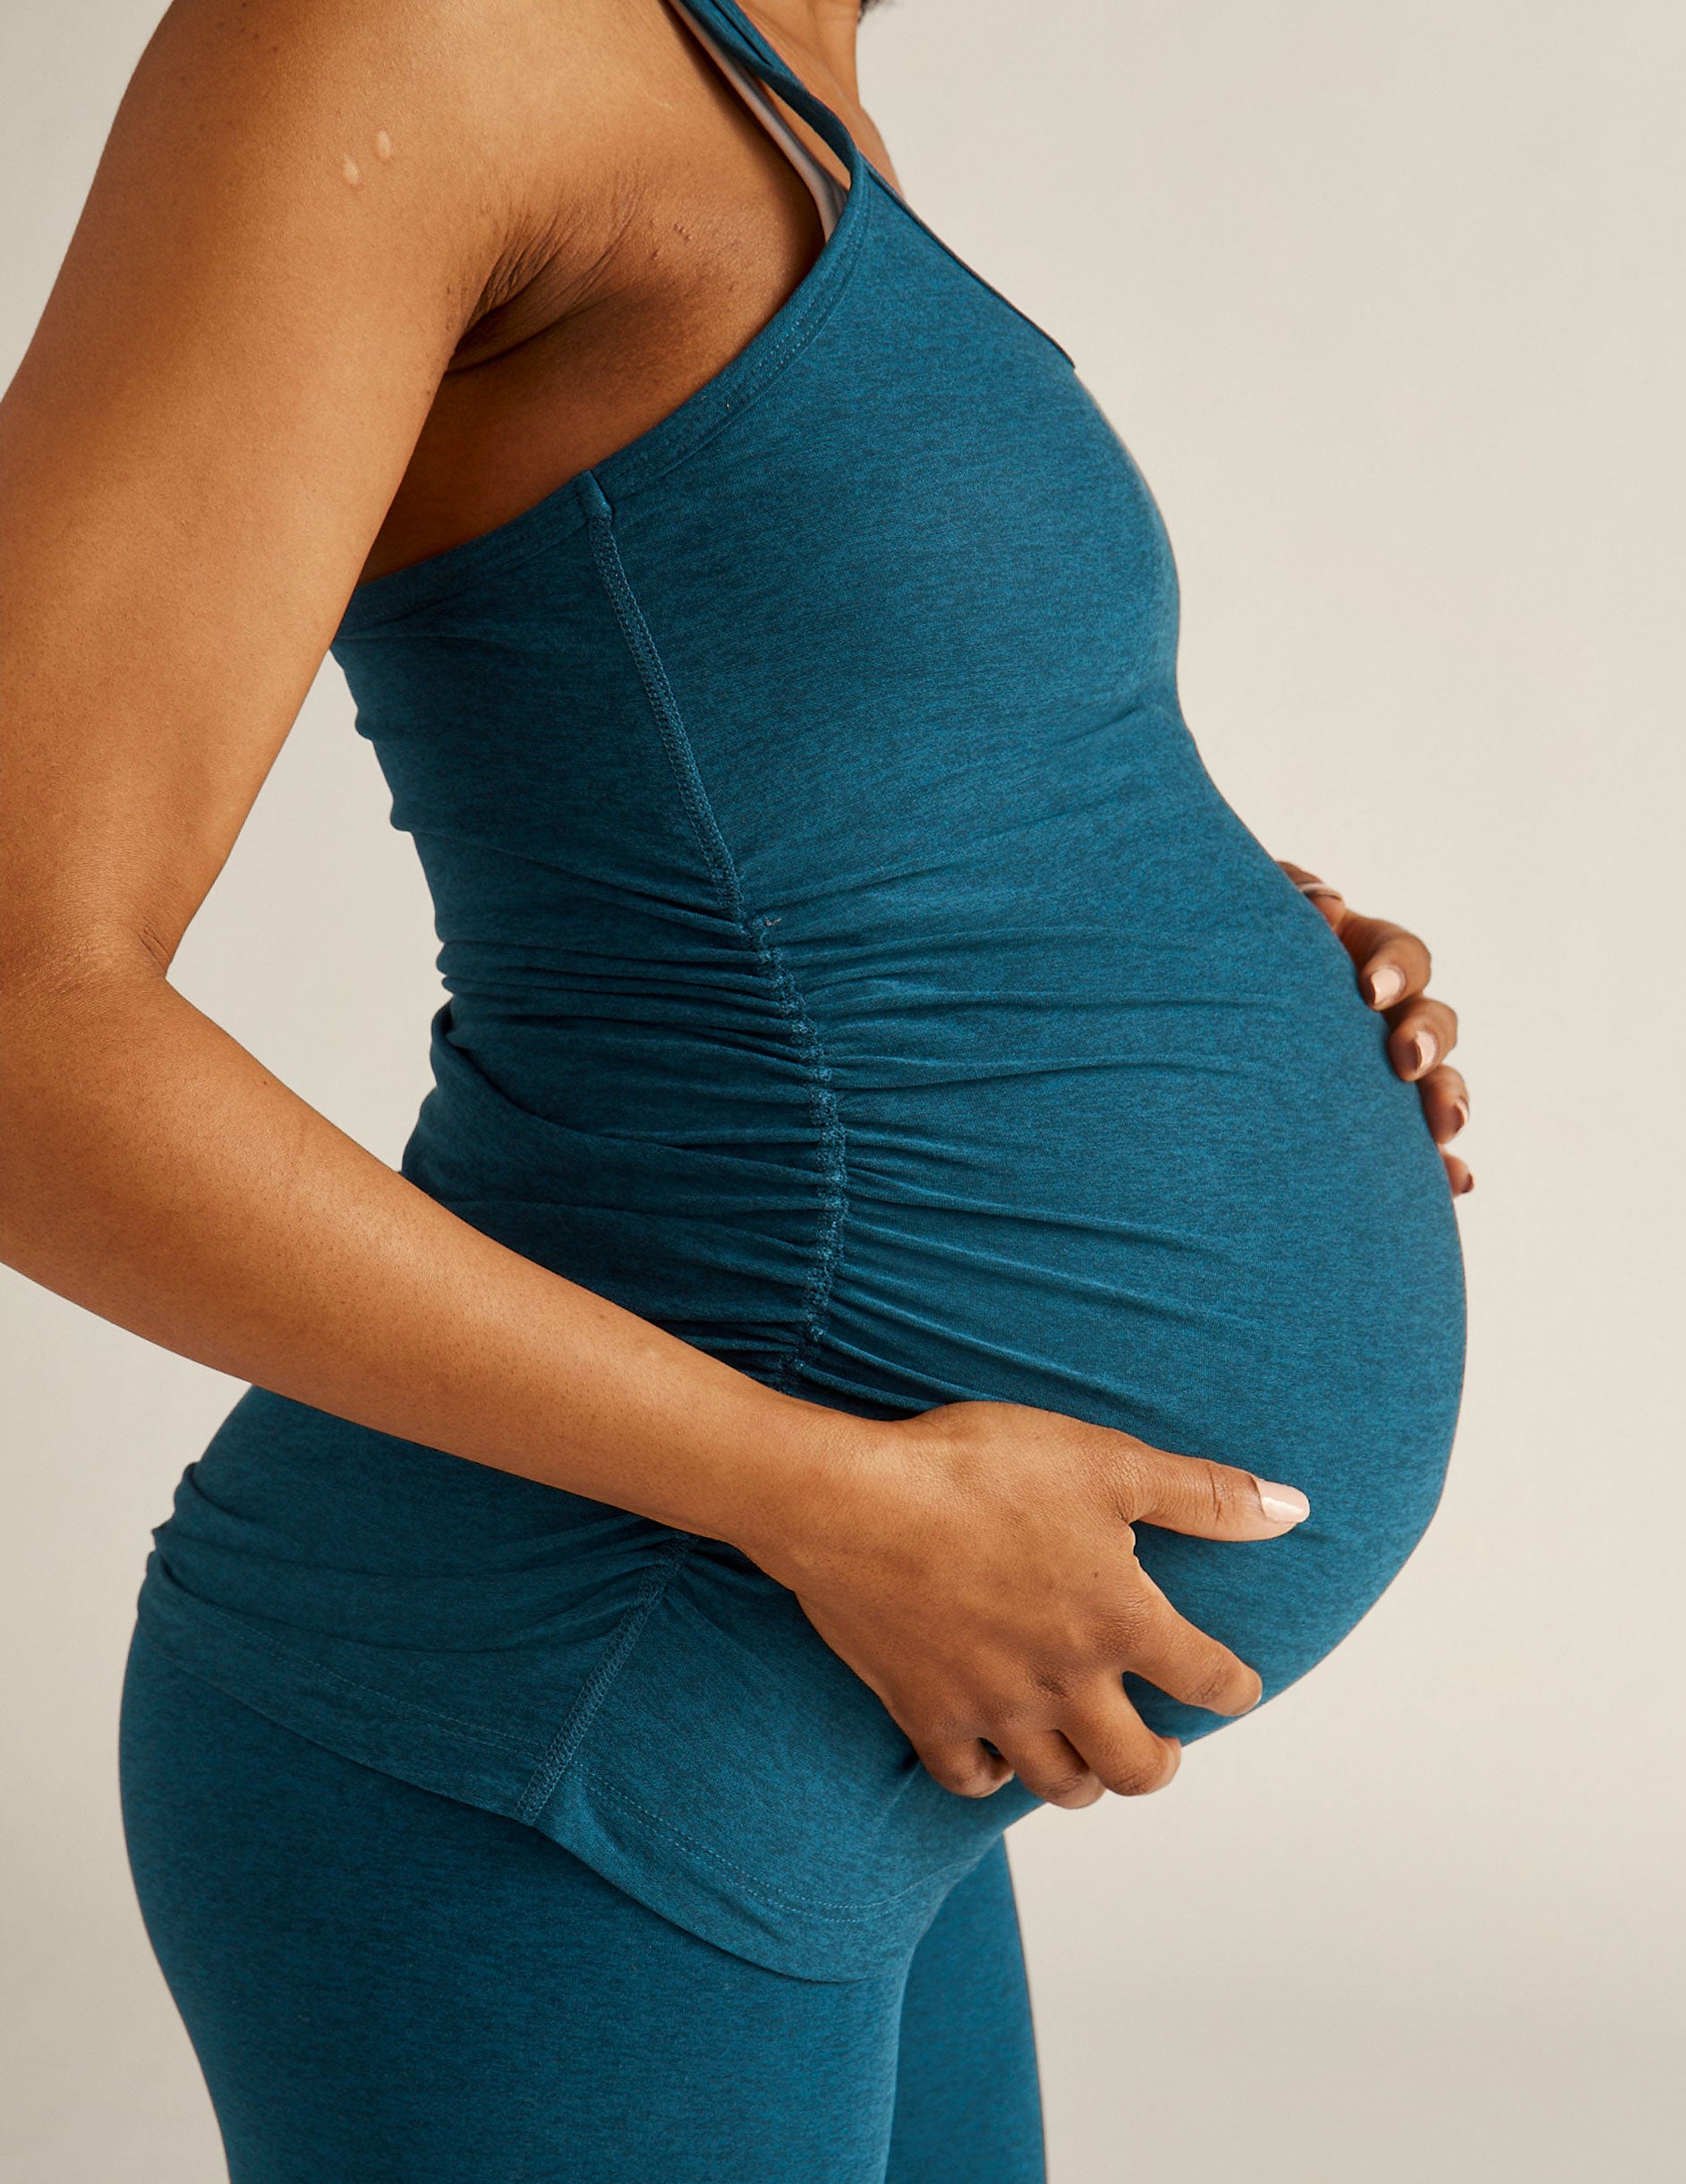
(818, 1907)
(822, 1103)
(721, 405)
(665, 447)
(566, 1741)
(663, 705)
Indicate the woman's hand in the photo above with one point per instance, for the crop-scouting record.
(1393, 970)
(976, 1567)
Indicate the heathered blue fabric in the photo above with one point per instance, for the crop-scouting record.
(388, 1987)
(854, 971)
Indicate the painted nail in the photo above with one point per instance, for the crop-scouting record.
(1426, 1046)
(1282, 1505)
(1386, 986)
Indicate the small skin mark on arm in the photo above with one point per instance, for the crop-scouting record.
(349, 167)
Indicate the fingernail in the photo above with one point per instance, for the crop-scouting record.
(1426, 1046)
(1460, 1108)
(1386, 986)
(1466, 1186)
(1282, 1505)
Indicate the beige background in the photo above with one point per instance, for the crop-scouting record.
(1387, 301)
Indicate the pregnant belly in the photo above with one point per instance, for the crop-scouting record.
(1266, 1277)
(1084, 1113)
(1205, 1212)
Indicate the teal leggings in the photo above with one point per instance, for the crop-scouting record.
(384, 1985)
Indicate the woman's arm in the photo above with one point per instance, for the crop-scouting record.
(198, 448)
(299, 207)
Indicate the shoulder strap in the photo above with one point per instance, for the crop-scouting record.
(729, 27)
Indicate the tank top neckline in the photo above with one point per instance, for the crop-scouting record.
(671, 440)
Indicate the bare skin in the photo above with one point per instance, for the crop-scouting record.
(355, 283)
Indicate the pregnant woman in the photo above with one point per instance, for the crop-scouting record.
(894, 1131)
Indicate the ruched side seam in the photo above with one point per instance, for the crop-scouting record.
(830, 1140)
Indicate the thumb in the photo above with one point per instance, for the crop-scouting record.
(1211, 1501)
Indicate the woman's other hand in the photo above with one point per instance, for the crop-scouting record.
(1393, 971)
(976, 1567)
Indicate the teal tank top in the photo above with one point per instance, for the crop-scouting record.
(852, 969)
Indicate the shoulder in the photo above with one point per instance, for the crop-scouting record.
(476, 54)
(477, 116)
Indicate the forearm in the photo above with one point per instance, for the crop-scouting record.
(160, 1176)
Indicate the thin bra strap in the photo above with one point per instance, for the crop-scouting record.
(727, 31)
(826, 192)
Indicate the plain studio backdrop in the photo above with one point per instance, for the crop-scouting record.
(1386, 301)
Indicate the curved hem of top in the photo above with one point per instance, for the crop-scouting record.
(603, 1825)
(643, 461)
(565, 1791)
